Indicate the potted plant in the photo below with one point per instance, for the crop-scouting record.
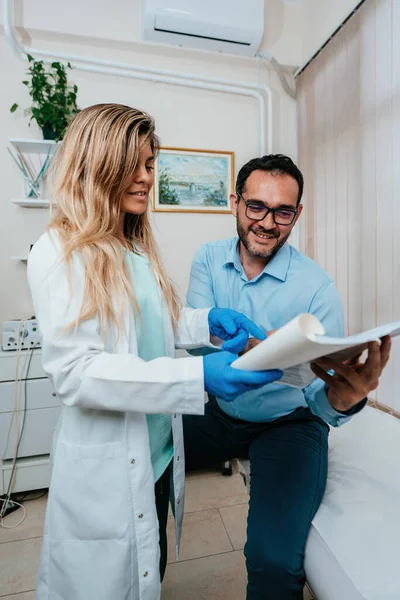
(53, 100)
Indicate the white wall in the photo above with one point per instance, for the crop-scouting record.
(321, 19)
(185, 118)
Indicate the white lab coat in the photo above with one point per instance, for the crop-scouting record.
(101, 532)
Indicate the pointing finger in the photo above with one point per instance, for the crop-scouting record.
(250, 327)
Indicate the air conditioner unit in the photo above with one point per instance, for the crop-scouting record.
(231, 26)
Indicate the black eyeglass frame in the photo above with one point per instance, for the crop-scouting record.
(268, 210)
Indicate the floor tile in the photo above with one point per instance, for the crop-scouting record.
(214, 492)
(31, 527)
(307, 594)
(221, 577)
(235, 521)
(19, 562)
(203, 534)
(23, 596)
(207, 472)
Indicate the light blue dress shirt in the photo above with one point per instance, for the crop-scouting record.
(289, 285)
(151, 345)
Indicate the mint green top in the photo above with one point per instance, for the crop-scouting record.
(150, 342)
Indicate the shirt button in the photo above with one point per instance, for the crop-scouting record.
(178, 501)
(145, 574)
(141, 516)
(132, 461)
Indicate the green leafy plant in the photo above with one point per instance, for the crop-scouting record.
(167, 195)
(53, 100)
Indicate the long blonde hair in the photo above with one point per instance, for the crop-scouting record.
(91, 171)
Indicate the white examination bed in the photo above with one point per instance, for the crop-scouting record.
(353, 549)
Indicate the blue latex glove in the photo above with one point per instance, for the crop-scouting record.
(225, 382)
(233, 326)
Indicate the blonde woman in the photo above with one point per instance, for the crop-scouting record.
(110, 322)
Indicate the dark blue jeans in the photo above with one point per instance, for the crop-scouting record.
(288, 462)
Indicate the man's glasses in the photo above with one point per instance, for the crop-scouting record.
(257, 211)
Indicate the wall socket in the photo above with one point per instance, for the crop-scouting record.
(16, 335)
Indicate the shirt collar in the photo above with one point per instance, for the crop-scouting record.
(277, 267)
(233, 257)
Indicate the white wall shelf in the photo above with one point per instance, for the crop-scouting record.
(32, 202)
(34, 146)
(38, 147)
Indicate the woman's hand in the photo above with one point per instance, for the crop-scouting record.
(225, 382)
(234, 327)
(353, 381)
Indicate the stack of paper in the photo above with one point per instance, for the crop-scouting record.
(302, 340)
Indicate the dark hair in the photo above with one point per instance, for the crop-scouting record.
(273, 163)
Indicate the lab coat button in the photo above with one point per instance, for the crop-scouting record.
(145, 574)
(132, 461)
(174, 416)
(141, 516)
(177, 458)
(178, 501)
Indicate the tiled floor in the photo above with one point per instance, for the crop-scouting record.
(211, 564)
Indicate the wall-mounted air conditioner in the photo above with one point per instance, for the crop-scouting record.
(232, 26)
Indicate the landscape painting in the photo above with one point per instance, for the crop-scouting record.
(193, 180)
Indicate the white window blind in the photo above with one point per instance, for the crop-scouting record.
(349, 151)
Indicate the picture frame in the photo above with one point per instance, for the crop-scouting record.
(189, 180)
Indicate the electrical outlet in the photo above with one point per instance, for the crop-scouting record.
(21, 334)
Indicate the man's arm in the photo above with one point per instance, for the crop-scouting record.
(200, 292)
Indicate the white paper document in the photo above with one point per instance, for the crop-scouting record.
(302, 340)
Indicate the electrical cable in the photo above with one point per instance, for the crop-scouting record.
(8, 499)
(26, 496)
(17, 398)
(15, 391)
(16, 414)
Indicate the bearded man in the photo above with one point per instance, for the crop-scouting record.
(282, 430)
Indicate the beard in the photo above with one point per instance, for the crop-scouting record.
(243, 234)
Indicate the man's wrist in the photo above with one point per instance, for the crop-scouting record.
(344, 409)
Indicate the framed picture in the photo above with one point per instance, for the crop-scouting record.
(197, 181)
